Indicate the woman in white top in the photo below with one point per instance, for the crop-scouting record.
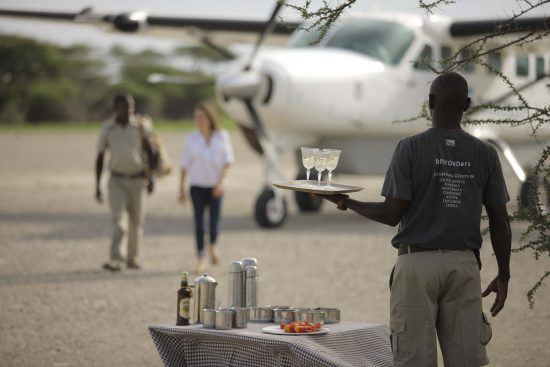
(206, 158)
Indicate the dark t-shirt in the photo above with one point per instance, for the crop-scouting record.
(446, 175)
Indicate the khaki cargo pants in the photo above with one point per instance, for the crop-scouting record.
(436, 293)
(126, 196)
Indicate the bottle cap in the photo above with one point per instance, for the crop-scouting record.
(184, 276)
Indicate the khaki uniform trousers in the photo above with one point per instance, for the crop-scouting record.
(126, 196)
(436, 293)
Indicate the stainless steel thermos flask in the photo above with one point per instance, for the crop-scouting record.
(236, 285)
(251, 286)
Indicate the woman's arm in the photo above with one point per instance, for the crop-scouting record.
(218, 189)
(182, 197)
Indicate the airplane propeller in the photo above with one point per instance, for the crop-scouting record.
(245, 84)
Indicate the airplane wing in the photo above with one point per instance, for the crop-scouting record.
(133, 22)
(470, 28)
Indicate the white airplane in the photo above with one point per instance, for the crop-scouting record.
(349, 90)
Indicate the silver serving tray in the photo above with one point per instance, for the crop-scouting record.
(312, 187)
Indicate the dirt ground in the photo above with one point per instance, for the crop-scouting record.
(58, 308)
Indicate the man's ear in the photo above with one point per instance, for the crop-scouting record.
(468, 103)
(431, 101)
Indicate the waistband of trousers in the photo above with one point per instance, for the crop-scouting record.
(129, 176)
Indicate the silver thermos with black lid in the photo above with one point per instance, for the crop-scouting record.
(236, 285)
(204, 296)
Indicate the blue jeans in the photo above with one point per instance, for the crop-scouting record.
(201, 198)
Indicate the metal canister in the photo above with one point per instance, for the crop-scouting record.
(260, 314)
(224, 318)
(240, 317)
(251, 286)
(236, 285)
(283, 315)
(310, 316)
(205, 296)
(333, 314)
(209, 321)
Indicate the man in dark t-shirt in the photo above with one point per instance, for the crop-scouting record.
(435, 187)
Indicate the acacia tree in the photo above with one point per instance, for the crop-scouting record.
(536, 237)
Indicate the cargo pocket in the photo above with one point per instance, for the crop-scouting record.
(485, 333)
(397, 338)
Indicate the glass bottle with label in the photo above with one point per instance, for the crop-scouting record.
(184, 301)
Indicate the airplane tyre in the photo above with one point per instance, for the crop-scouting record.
(269, 212)
(525, 196)
(307, 202)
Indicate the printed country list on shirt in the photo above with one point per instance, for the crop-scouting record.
(452, 184)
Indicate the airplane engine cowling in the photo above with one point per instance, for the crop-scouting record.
(130, 22)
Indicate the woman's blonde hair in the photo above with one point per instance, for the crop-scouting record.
(210, 111)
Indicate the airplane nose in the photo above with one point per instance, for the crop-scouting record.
(241, 84)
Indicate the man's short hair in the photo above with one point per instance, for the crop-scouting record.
(126, 98)
(450, 89)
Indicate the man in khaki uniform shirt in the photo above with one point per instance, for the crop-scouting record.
(126, 139)
(435, 188)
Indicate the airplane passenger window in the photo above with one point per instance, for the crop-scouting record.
(303, 37)
(468, 67)
(495, 61)
(382, 40)
(522, 65)
(446, 53)
(539, 67)
(424, 60)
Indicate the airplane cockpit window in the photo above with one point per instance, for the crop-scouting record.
(382, 40)
(494, 60)
(522, 65)
(304, 38)
(423, 60)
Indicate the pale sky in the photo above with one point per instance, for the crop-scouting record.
(257, 9)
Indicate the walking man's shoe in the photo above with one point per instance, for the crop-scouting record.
(112, 266)
(134, 265)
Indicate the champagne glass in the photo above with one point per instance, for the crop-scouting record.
(308, 159)
(332, 162)
(321, 158)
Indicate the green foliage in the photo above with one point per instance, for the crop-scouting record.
(44, 82)
(41, 81)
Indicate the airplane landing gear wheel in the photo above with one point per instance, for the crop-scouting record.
(307, 202)
(270, 211)
(525, 196)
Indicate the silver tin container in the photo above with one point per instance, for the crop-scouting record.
(204, 296)
(224, 318)
(240, 317)
(251, 286)
(333, 314)
(236, 285)
(310, 316)
(209, 321)
(283, 315)
(260, 314)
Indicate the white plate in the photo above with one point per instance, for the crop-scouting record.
(276, 329)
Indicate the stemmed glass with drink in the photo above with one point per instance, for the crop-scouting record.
(332, 162)
(321, 159)
(308, 159)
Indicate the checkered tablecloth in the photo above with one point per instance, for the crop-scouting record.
(347, 344)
